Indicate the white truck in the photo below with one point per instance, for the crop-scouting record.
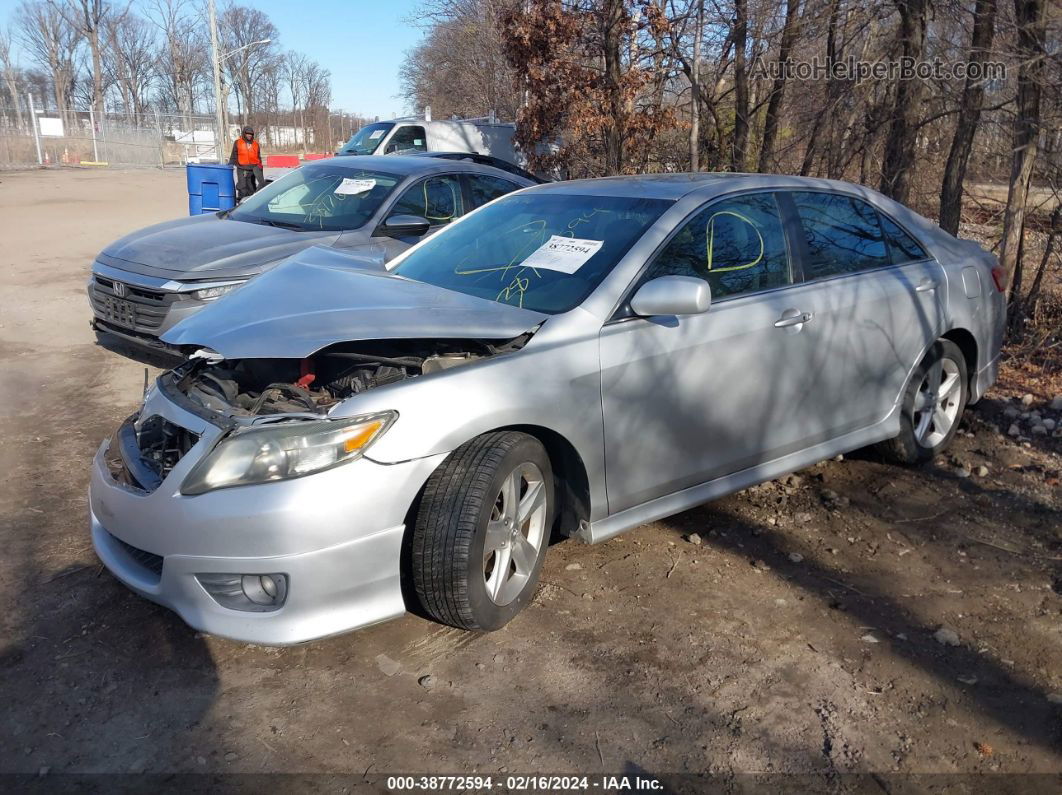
(483, 136)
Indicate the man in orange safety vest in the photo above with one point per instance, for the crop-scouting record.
(247, 157)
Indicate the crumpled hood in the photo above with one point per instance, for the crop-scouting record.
(321, 298)
(207, 247)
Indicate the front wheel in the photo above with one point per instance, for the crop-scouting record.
(481, 531)
(932, 405)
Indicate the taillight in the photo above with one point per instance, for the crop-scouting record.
(999, 276)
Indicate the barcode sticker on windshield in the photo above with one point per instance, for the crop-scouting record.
(564, 254)
(350, 187)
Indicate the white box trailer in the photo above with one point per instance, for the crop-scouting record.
(484, 137)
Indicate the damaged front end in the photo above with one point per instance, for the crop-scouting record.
(249, 388)
(274, 414)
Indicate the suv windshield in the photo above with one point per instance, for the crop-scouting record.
(318, 198)
(540, 251)
(365, 140)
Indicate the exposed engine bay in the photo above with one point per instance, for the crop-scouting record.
(258, 387)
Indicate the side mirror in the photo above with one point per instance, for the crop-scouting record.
(672, 295)
(403, 226)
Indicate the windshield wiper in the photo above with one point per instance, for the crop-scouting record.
(281, 224)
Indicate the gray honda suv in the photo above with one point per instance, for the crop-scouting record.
(374, 207)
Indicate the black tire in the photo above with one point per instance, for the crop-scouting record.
(450, 530)
(907, 448)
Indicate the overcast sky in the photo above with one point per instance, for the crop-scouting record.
(360, 41)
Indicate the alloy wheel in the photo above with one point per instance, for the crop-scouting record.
(936, 405)
(516, 532)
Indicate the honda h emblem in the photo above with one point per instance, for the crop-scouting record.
(119, 289)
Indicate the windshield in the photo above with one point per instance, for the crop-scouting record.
(365, 140)
(540, 251)
(318, 198)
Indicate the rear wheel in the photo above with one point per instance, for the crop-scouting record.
(481, 531)
(933, 403)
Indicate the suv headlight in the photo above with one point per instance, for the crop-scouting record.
(282, 452)
(210, 293)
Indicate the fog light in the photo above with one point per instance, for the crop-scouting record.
(256, 593)
(261, 589)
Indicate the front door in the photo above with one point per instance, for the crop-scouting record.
(689, 399)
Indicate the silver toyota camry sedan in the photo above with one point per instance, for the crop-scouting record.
(579, 358)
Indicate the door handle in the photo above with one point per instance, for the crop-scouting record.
(793, 318)
(927, 285)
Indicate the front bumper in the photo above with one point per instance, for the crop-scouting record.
(337, 535)
(331, 590)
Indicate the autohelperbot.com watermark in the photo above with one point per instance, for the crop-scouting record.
(857, 70)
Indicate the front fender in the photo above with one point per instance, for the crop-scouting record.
(549, 383)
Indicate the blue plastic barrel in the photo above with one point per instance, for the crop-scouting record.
(210, 188)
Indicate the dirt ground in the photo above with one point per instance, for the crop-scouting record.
(854, 618)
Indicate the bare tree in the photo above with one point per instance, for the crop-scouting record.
(317, 90)
(248, 35)
(294, 72)
(89, 18)
(460, 66)
(695, 89)
(774, 103)
(10, 74)
(183, 60)
(52, 43)
(903, 127)
(741, 86)
(1031, 19)
(969, 112)
(133, 64)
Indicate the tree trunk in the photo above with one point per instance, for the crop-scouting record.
(774, 104)
(613, 35)
(741, 86)
(695, 88)
(900, 142)
(1031, 19)
(1032, 298)
(969, 113)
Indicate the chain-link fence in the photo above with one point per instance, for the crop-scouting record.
(74, 137)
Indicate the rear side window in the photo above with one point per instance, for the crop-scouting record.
(483, 188)
(736, 245)
(843, 235)
(902, 247)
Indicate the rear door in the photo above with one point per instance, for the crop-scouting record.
(875, 297)
(483, 188)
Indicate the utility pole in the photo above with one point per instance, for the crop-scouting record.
(36, 133)
(216, 60)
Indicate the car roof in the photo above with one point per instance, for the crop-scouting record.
(705, 185)
(402, 165)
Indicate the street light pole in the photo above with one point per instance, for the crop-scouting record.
(218, 101)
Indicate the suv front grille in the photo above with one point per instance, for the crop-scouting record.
(140, 306)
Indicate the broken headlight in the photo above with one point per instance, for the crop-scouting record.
(284, 451)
